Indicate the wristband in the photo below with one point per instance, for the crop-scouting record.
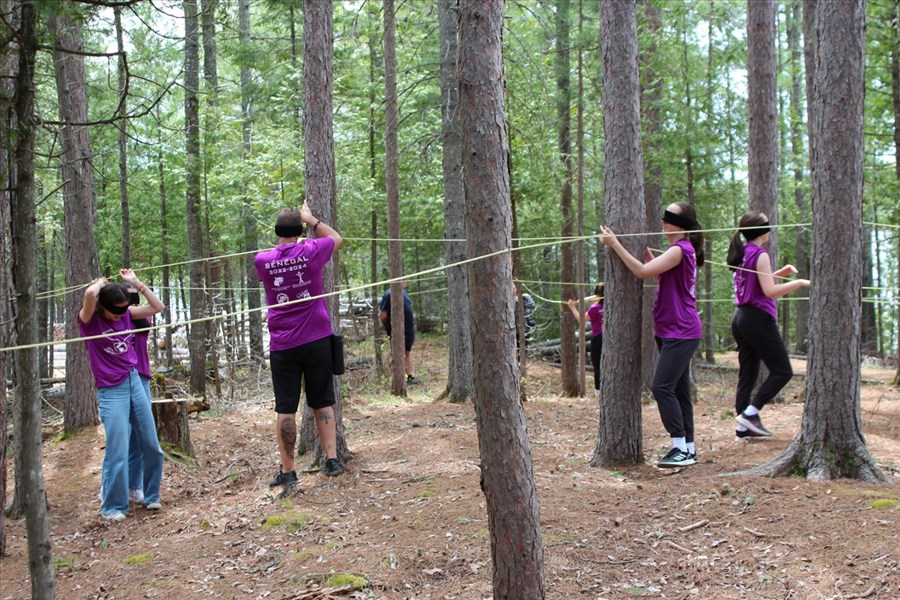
(316, 226)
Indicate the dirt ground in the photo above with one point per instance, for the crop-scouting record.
(409, 516)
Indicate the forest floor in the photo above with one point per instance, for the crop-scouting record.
(408, 515)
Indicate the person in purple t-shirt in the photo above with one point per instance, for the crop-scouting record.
(300, 333)
(755, 324)
(124, 406)
(595, 316)
(677, 324)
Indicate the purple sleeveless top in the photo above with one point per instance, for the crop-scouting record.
(292, 272)
(747, 290)
(675, 308)
(112, 358)
(595, 314)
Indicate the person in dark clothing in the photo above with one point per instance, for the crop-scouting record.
(409, 326)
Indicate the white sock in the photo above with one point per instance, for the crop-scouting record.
(691, 448)
(680, 444)
(741, 427)
(751, 411)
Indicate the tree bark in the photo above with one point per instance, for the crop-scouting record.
(28, 382)
(9, 71)
(197, 331)
(82, 262)
(392, 184)
(210, 54)
(800, 201)
(123, 142)
(830, 444)
(460, 376)
(251, 236)
(619, 440)
(567, 290)
(653, 196)
(507, 476)
(895, 93)
(318, 79)
(763, 115)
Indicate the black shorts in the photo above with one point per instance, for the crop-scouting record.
(309, 363)
(408, 338)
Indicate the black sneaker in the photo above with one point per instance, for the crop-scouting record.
(677, 458)
(411, 379)
(286, 479)
(334, 467)
(746, 435)
(754, 424)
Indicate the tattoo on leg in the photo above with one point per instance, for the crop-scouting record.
(325, 415)
(289, 435)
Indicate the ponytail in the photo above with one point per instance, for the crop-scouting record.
(753, 224)
(735, 251)
(696, 239)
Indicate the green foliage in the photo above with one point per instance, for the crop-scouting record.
(883, 503)
(356, 582)
(291, 521)
(138, 559)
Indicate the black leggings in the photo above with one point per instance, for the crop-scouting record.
(672, 386)
(596, 350)
(758, 340)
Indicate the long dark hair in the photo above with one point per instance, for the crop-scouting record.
(735, 256)
(600, 291)
(694, 237)
(136, 323)
(111, 295)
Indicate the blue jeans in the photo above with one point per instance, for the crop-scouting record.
(125, 408)
(135, 456)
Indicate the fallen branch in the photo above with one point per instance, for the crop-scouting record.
(677, 547)
(693, 526)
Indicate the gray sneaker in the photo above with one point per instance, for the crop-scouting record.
(676, 458)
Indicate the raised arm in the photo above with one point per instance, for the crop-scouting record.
(318, 227)
(573, 306)
(767, 278)
(143, 311)
(89, 305)
(662, 263)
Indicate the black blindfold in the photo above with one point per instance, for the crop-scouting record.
(678, 221)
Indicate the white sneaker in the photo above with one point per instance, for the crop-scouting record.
(136, 496)
(153, 505)
(114, 516)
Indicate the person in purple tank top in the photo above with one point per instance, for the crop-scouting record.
(300, 334)
(595, 317)
(677, 324)
(755, 324)
(124, 406)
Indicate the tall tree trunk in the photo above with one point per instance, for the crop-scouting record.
(8, 75)
(318, 78)
(123, 146)
(801, 311)
(579, 246)
(895, 92)
(210, 55)
(653, 196)
(164, 230)
(869, 332)
(373, 233)
(567, 350)
(251, 237)
(460, 376)
(28, 383)
(507, 476)
(830, 444)
(392, 184)
(709, 329)
(82, 263)
(197, 332)
(762, 111)
(619, 438)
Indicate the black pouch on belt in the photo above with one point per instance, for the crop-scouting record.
(337, 354)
